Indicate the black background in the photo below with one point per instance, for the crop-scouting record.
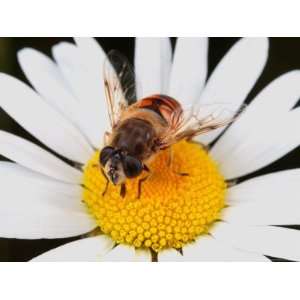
(284, 55)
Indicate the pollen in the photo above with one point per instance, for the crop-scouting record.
(172, 210)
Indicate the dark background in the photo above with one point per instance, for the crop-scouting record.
(284, 55)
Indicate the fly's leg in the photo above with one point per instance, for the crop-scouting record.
(140, 182)
(106, 187)
(170, 163)
(106, 184)
(140, 186)
(123, 190)
(107, 181)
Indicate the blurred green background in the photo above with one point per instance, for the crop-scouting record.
(284, 55)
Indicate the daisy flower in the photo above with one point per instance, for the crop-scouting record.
(192, 218)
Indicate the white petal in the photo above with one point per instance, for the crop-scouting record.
(88, 249)
(33, 207)
(35, 158)
(235, 76)
(170, 255)
(43, 223)
(268, 109)
(280, 95)
(48, 81)
(87, 85)
(92, 54)
(93, 58)
(127, 253)
(260, 147)
(263, 214)
(68, 59)
(271, 188)
(120, 253)
(16, 172)
(142, 255)
(22, 182)
(207, 248)
(267, 240)
(152, 65)
(272, 199)
(189, 70)
(41, 120)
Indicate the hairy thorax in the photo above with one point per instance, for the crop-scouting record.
(135, 137)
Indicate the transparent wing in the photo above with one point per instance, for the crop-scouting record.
(207, 118)
(119, 85)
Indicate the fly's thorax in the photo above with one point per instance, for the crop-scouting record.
(135, 137)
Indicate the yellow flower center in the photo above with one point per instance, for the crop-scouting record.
(172, 210)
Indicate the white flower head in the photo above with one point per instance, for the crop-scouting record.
(199, 215)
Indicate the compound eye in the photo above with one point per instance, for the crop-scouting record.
(105, 155)
(132, 166)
